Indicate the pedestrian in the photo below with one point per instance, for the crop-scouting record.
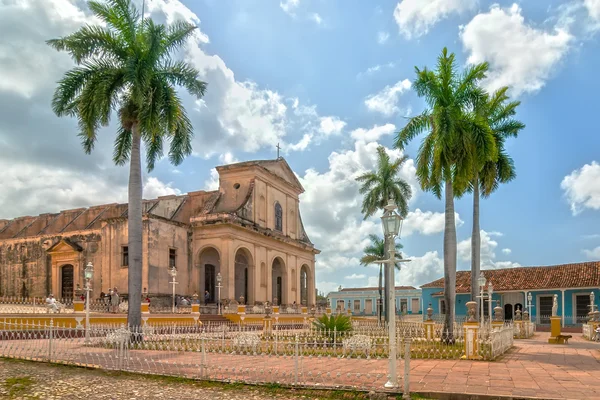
(114, 301)
(51, 303)
(206, 297)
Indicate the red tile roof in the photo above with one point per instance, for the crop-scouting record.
(376, 288)
(586, 274)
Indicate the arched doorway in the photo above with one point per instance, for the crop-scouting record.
(210, 266)
(508, 312)
(66, 281)
(242, 276)
(279, 294)
(304, 285)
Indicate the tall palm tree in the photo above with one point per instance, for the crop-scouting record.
(125, 67)
(378, 187)
(497, 167)
(375, 251)
(445, 158)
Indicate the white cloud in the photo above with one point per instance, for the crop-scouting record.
(520, 56)
(593, 254)
(228, 158)
(154, 188)
(593, 8)
(289, 6)
(373, 134)
(331, 125)
(416, 17)
(356, 276)
(420, 270)
(386, 100)
(376, 68)
(582, 188)
(382, 37)
(316, 18)
(426, 222)
(212, 183)
(487, 251)
(506, 251)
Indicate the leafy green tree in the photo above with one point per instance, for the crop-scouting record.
(446, 158)
(125, 66)
(378, 187)
(495, 167)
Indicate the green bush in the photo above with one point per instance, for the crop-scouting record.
(340, 322)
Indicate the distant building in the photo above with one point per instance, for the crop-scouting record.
(363, 301)
(573, 284)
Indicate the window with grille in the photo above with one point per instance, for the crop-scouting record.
(172, 257)
(125, 256)
(278, 217)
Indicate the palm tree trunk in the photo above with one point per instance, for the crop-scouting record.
(380, 300)
(475, 247)
(134, 226)
(386, 296)
(449, 264)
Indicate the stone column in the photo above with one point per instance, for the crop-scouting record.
(471, 332)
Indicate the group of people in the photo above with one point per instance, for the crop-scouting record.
(111, 300)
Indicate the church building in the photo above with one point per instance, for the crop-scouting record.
(249, 230)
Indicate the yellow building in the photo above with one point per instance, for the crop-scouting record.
(249, 230)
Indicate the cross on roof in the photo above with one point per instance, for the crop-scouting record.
(278, 148)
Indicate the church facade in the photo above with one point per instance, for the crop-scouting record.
(249, 230)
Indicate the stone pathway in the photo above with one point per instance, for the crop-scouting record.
(533, 368)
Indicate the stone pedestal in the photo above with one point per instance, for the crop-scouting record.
(267, 324)
(241, 309)
(78, 306)
(195, 308)
(471, 341)
(555, 331)
(304, 310)
(349, 312)
(275, 309)
(429, 330)
(328, 311)
(519, 329)
(497, 324)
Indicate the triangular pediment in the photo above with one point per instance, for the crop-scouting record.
(64, 246)
(281, 168)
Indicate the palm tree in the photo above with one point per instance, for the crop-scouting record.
(378, 187)
(375, 251)
(125, 67)
(445, 158)
(496, 168)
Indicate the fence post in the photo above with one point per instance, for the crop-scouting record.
(296, 361)
(50, 334)
(335, 338)
(406, 394)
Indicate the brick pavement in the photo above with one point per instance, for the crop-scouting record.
(533, 368)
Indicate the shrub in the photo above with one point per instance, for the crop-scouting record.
(340, 322)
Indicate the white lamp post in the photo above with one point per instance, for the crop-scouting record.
(219, 279)
(392, 223)
(173, 273)
(490, 294)
(529, 305)
(88, 274)
(481, 282)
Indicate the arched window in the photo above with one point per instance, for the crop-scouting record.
(278, 218)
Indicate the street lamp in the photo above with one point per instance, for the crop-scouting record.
(392, 223)
(481, 282)
(88, 273)
(219, 279)
(173, 273)
(490, 294)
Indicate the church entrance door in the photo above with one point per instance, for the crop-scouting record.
(209, 282)
(66, 282)
(241, 276)
(279, 295)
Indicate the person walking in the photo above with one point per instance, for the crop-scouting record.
(114, 301)
(206, 297)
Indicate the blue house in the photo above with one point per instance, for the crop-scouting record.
(573, 283)
(363, 301)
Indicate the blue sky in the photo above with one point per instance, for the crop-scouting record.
(330, 80)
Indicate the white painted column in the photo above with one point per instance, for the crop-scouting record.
(562, 291)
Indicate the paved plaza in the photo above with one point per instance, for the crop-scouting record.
(532, 368)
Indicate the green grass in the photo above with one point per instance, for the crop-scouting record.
(18, 386)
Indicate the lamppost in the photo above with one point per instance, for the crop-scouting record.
(219, 279)
(392, 223)
(88, 274)
(490, 294)
(173, 273)
(481, 282)
(529, 305)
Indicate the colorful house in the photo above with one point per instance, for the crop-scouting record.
(363, 301)
(573, 283)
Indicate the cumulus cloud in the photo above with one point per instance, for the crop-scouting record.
(416, 17)
(289, 6)
(426, 222)
(382, 37)
(506, 251)
(488, 248)
(593, 8)
(593, 254)
(373, 134)
(520, 55)
(331, 125)
(582, 188)
(356, 276)
(386, 100)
